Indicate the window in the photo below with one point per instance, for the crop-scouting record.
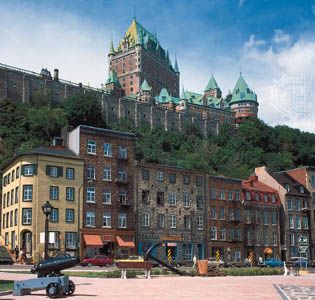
(200, 222)
(12, 197)
(70, 173)
(26, 216)
(222, 195)
(172, 199)
(107, 219)
(17, 194)
(273, 218)
(302, 189)
(13, 175)
(11, 218)
(248, 216)
(223, 234)
(237, 195)
(91, 147)
(230, 195)
(213, 213)
(90, 219)
(305, 222)
(17, 174)
(145, 174)
(248, 196)
(222, 213)
(160, 198)
(238, 234)
(187, 252)
(213, 233)
(231, 214)
(172, 178)
(265, 197)
(186, 200)
(298, 222)
(90, 172)
(122, 176)
(289, 203)
(257, 197)
(27, 192)
(71, 240)
(186, 179)
(199, 201)
(90, 194)
(122, 196)
(54, 216)
(145, 220)
(187, 223)
(297, 204)
(173, 221)
(265, 217)
(273, 198)
(313, 180)
(69, 215)
(161, 220)
(213, 193)
(122, 152)
(274, 239)
(107, 150)
(122, 220)
(292, 243)
(54, 171)
(54, 192)
(6, 239)
(28, 170)
(291, 222)
(15, 217)
(159, 176)
(237, 214)
(287, 187)
(107, 174)
(145, 196)
(53, 240)
(198, 180)
(107, 197)
(70, 193)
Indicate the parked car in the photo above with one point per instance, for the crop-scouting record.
(5, 257)
(213, 263)
(299, 261)
(134, 258)
(240, 263)
(97, 260)
(273, 262)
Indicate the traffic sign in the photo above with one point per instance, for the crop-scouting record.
(303, 240)
(303, 249)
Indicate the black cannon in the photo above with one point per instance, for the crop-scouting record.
(49, 277)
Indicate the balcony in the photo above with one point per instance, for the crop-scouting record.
(122, 157)
(122, 179)
(125, 203)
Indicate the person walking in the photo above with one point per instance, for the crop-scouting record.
(16, 253)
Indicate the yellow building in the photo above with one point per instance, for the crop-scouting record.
(51, 173)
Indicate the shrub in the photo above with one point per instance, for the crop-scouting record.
(252, 271)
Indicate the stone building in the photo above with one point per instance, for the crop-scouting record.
(29, 180)
(294, 212)
(225, 223)
(261, 218)
(108, 189)
(171, 209)
(306, 177)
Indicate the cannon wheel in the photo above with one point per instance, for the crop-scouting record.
(71, 288)
(52, 290)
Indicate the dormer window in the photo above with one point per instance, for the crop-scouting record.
(287, 187)
(302, 189)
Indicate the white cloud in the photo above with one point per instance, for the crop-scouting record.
(284, 81)
(252, 42)
(281, 38)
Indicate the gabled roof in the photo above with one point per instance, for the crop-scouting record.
(242, 92)
(194, 98)
(145, 86)
(212, 85)
(165, 97)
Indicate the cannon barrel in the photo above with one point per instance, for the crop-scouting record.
(54, 265)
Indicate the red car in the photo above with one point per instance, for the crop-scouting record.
(97, 260)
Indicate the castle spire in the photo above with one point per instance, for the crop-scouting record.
(183, 95)
(176, 65)
(111, 47)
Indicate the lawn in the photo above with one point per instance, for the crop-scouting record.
(6, 285)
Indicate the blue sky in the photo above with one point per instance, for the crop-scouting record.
(272, 42)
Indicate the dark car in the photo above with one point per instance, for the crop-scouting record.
(299, 262)
(273, 262)
(240, 263)
(5, 257)
(98, 260)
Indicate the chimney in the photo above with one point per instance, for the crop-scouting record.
(56, 74)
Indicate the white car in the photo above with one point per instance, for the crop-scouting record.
(214, 263)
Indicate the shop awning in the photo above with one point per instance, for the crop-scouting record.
(267, 250)
(125, 241)
(93, 240)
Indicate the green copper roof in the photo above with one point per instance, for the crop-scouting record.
(145, 86)
(183, 94)
(176, 66)
(112, 77)
(242, 92)
(194, 98)
(165, 97)
(111, 47)
(212, 85)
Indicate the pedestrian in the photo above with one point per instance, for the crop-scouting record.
(195, 261)
(260, 260)
(21, 256)
(16, 253)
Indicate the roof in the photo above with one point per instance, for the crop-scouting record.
(212, 85)
(176, 66)
(236, 180)
(242, 93)
(165, 97)
(183, 95)
(256, 185)
(112, 78)
(145, 86)
(103, 131)
(194, 98)
(111, 47)
(283, 178)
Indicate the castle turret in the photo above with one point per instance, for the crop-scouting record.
(112, 84)
(176, 66)
(145, 94)
(243, 101)
(111, 51)
(183, 100)
(212, 89)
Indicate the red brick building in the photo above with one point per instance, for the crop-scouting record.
(107, 190)
(261, 218)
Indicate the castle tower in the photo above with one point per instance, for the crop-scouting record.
(145, 94)
(139, 56)
(183, 101)
(243, 101)
(212, 89)
(112, 84)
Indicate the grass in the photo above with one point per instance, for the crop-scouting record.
(6, 285)
(252, 271)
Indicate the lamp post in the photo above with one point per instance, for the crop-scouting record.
(47, 208)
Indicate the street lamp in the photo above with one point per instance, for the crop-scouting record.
(47, 208)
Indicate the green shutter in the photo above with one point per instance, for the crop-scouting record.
(47, 170)
(60, 172)
(22, 170)
(34, 169)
